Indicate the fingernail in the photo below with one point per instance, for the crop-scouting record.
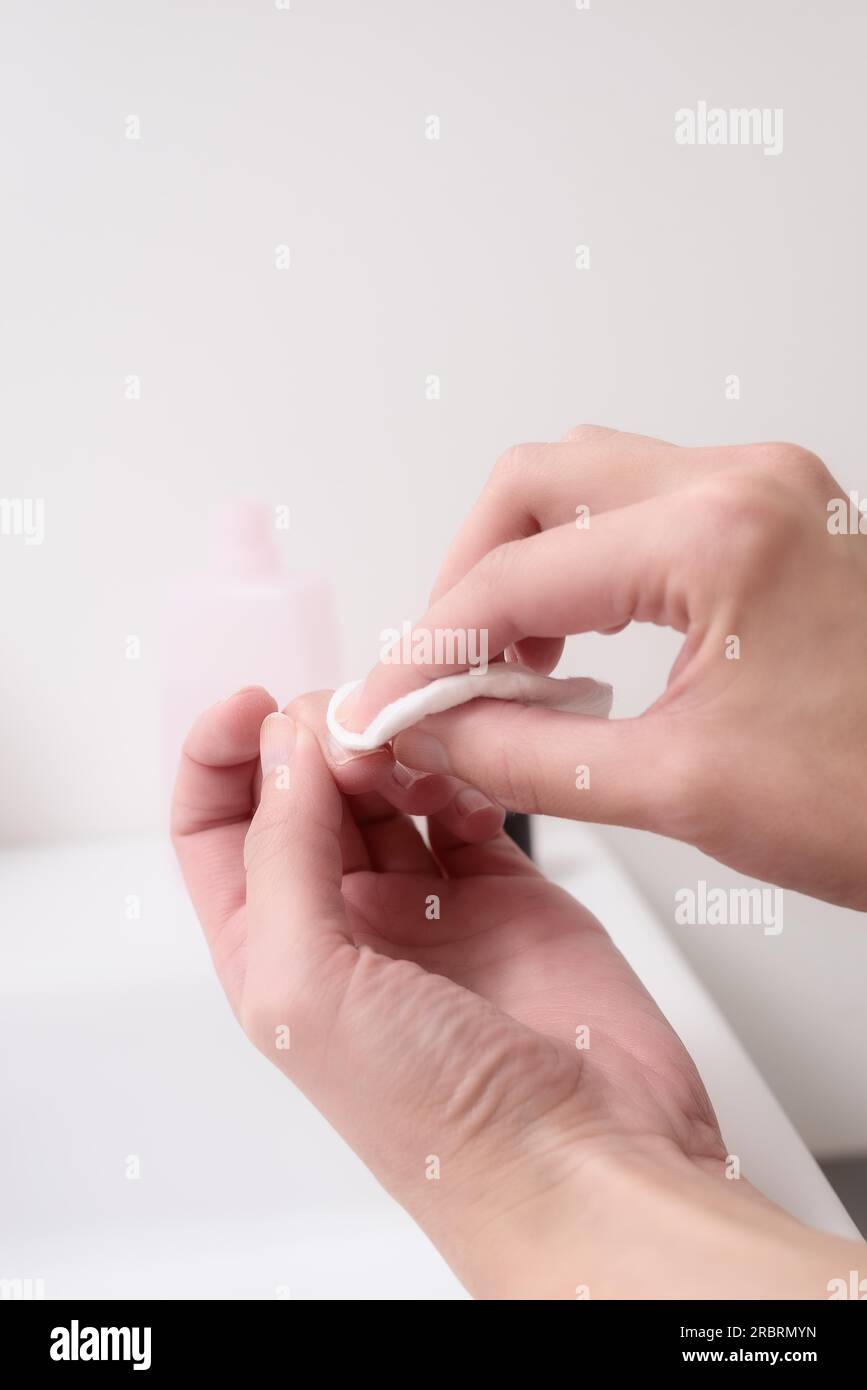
(244, 690)
(339, 755)
(469, 800)
(405, 777)
(345, 713)
(276, 742)
(422, 751)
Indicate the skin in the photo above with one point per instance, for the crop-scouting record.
(760, 761)
(562, 1172)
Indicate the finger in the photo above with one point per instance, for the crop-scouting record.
(539, 653)
(471, 815)
(375, 836)
(375, 773)
(496, 519)
(299, 946)
(391, 841)
(622, 772)
(585, 434)
(462, 859)
(211, 809)
(555, 583)
(535, 489)
(214, 777)
(537, 486)
(467, 811)
(371, 778)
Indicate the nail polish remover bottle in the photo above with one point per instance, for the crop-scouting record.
(244, 620)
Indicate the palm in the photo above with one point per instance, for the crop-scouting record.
(458, 1014)
(497, 928)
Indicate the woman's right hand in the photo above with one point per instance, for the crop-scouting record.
(757, 750)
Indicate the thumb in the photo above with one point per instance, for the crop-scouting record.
(299, 946)
(537, 760)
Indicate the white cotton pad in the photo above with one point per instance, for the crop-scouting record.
(572, 695)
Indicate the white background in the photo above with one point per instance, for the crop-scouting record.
(408, 257)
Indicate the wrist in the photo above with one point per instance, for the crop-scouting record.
(642, 1222)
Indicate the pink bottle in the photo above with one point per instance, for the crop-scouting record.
(245, 620)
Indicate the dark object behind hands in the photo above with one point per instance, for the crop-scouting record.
(518, 826)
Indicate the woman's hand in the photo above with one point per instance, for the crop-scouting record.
(467, 1027)
(756, 751)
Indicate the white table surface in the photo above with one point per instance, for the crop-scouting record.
(116, 1041)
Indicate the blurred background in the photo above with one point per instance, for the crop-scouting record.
(322, 257)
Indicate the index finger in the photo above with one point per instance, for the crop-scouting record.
(532, 488)
(549, 585)
(535, 488)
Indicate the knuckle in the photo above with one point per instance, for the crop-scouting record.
(309, 708)
(264, 841)
(685, 781)
(788, 463)
(494, 567)
(586, 434)
(516, 778)
(516, 463)
(677, 798)
(745, 519)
